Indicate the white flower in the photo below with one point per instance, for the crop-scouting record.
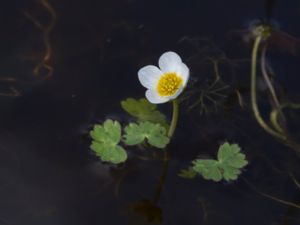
(166, 82)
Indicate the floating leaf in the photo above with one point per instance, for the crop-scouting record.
(230, 155)
(209, 169)
(155, 134)
(105, 142)
(134, 134)
(143, 110)
(110, 132)
(109, 153)
(228, 165)
(230, 173)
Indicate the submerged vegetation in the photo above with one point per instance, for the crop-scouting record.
(262, 33)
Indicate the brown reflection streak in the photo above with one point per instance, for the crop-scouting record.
(46, 30)
(13, 92)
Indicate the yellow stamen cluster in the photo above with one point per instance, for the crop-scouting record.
(168, 84)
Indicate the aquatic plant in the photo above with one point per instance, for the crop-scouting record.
(105, 142)
(213, 80)
(155, 134)
(228, 165)
(262, 33)
(143, 111)
(162, 85)
(107, 137)
(150, 128)
(207, 96)
(165, 83)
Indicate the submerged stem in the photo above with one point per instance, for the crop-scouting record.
(255, 109)
(162, 178)
(291, 204)
(174, 118)
(267, 78)
(279, 125)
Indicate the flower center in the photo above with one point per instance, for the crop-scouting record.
(168, 84)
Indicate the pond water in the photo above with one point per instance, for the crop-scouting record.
(48, 173)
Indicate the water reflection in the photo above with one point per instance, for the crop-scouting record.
(46, 31)
(48, 174)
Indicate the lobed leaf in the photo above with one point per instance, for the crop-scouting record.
(230, 173)
(105, 142)
(155, 134)
(143, 110)
(208, 168)
(230, 155)
(134, 134)
(109, 153)
(109, 132)
(227, 166)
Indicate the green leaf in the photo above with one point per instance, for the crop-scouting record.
(227, 166)
(110, 132)
(230, 173)
(143, 111)
(208, 168)
(229, 155)
(134, 134)
(188, 173)
(105, 142)
(155, 134)
(109, 153)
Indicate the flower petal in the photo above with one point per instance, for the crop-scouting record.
(154, 98)
(169, 61)
(183, 71)
(149, 76)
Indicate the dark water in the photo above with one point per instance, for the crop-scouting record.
(48, 174)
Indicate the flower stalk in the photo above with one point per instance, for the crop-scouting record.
(175, 115)
(254, 105)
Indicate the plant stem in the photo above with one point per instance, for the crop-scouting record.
(174, 118)
(255, 109)
(279, 123)
(291, 204)
(267, 79)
